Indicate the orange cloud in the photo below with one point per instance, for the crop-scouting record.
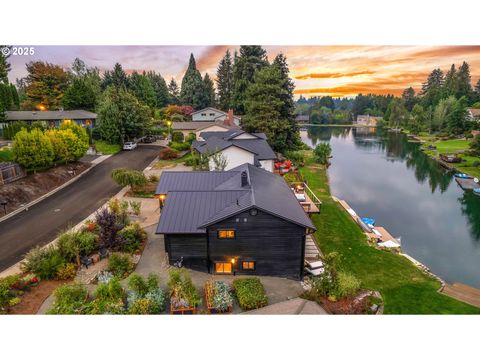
(208, 60)
(332, 75)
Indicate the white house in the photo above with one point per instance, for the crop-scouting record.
(197, 127)
(368, 120)
(473, 114)
(212, 114)
(236, 147)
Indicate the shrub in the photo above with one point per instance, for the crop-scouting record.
(66, 271)
(177, 136)
(179, 146)
(131, 237)
(136, 206)
(133, 178)
(322, 153)
(250, 293)
(110, 291)
(69, 299)
(145, 296)
(119, 265)
(167, 154)
(476, 163)
(296, 157)
(183, 293)
(33, 150)
(73, 244)
(191, 161)
(6, 293)
(153, 178)
(347, 285)
(108, 228)
(43, 262)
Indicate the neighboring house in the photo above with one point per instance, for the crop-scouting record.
(473, 114)
(243, 221)
(368, 120)
(212, 114)
(52, 118)
(303, 119)
(196, 127)
(236, 147)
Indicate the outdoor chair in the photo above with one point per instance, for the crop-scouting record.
(86, 261)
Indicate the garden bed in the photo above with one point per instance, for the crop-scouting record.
(218, 298)
(33, 186)
(250, 293)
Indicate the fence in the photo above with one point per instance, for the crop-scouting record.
(10, 172)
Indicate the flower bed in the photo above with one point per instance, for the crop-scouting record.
(184, 297)
(250, 293)
(13, 287)
(218, 297)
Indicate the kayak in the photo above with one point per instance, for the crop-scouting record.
(368, 221)
(463, 176)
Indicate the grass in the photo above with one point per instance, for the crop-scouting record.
(405, 288)
(107, 149)
(6, 155)
(165, 164)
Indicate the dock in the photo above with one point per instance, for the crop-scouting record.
(379, 234)
(462, 292)
(467, 184)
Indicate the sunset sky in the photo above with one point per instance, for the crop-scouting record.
(317, 70)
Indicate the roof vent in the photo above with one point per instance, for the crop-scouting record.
(244, 179)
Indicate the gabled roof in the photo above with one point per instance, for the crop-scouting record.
(217, 141)
(188, 210)
(191, 125)
(474, 112)
(217, 110)
(49, 115)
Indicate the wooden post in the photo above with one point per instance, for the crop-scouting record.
(1, 176)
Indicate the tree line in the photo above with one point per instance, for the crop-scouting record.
(128, 104)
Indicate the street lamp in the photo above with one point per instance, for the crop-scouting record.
(169, 124)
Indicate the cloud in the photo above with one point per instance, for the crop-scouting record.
(333, 75)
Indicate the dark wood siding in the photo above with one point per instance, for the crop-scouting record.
(192, 247)
(275, 245)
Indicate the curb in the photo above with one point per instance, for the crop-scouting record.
(44, 196)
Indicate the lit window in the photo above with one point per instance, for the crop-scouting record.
(248, 265)
(226, 234)
(223, 267)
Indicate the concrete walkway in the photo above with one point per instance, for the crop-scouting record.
(295, 306)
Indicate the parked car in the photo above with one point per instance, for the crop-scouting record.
(129, 145)
(149, 139)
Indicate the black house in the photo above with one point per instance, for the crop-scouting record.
(242, 221)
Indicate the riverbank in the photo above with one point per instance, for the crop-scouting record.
(405, 288)
(458, 147)
(339, 125)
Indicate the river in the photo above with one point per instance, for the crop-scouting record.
(383, 176)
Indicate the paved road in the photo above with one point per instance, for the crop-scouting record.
(40, 224)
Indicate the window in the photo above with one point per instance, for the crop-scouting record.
(223, 267)
(248, 265)
(203, 114)
(212, 114)
(226, 234)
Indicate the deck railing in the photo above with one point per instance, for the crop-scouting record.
(312, 197)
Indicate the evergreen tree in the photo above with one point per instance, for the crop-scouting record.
(451, 82)
(477, 92)
(140, 86)
(173, 92)
(252, 58)
(117, 77)
(209, 90)
(327, 101)
(192, 91)
(79, 96)
(121, 117)
(432, 88)
(464, 82)
(4, 66)
(397, 112)
(225, 82)
(264, 108)
(160, 88)
(456, 119)
(409, 98)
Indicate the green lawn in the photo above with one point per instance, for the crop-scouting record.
(405, 288)
(452, 146)
(6, 155)
(106, 148)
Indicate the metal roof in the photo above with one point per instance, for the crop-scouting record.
(200, 200)
(217, 141)
(49, 115)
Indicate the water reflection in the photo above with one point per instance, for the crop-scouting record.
(384, 176)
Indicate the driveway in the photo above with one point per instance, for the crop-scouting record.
(41, 223)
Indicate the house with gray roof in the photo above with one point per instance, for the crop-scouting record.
(242, 221)
(212, 114)
(236, 147)
(52, 118)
